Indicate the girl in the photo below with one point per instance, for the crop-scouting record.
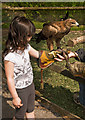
(18, 67)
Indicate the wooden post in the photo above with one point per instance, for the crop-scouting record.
(73, 42)
(42, 85)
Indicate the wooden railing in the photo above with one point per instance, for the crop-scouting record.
(44, 8)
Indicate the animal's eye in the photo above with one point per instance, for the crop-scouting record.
(73, 23)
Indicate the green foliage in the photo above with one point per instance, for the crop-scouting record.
(82, 27)
(45, 4)
(50, 15)
(43, 16)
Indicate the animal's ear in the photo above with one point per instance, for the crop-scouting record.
(67, 15)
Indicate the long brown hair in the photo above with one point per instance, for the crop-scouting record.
(20, 28)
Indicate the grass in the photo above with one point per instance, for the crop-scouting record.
(82, 27)
(39, 25)
(8, 16)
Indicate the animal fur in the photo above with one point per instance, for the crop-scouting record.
(55, 31)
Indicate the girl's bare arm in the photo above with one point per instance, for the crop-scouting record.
(9, 70)
(34, 53)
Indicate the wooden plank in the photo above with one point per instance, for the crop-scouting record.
(66, 73)
(73, 42)
(55, 108)
(62, 70)
(44, 8)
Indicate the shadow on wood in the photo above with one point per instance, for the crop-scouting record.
(66, 72)
(55, 108)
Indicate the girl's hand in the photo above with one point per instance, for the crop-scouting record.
(17, 102)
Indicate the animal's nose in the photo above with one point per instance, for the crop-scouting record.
(77, 24)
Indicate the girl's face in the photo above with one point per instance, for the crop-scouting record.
(29, 38)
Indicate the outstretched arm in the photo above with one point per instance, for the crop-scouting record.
(34, 52)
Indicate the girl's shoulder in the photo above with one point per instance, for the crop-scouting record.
(28, 47)
(10, 57)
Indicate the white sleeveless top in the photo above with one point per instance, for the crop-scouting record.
(23, 74)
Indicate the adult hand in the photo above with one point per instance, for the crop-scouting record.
(59, 58)
(72, 54)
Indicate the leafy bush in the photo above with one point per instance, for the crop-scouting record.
(45, 4)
